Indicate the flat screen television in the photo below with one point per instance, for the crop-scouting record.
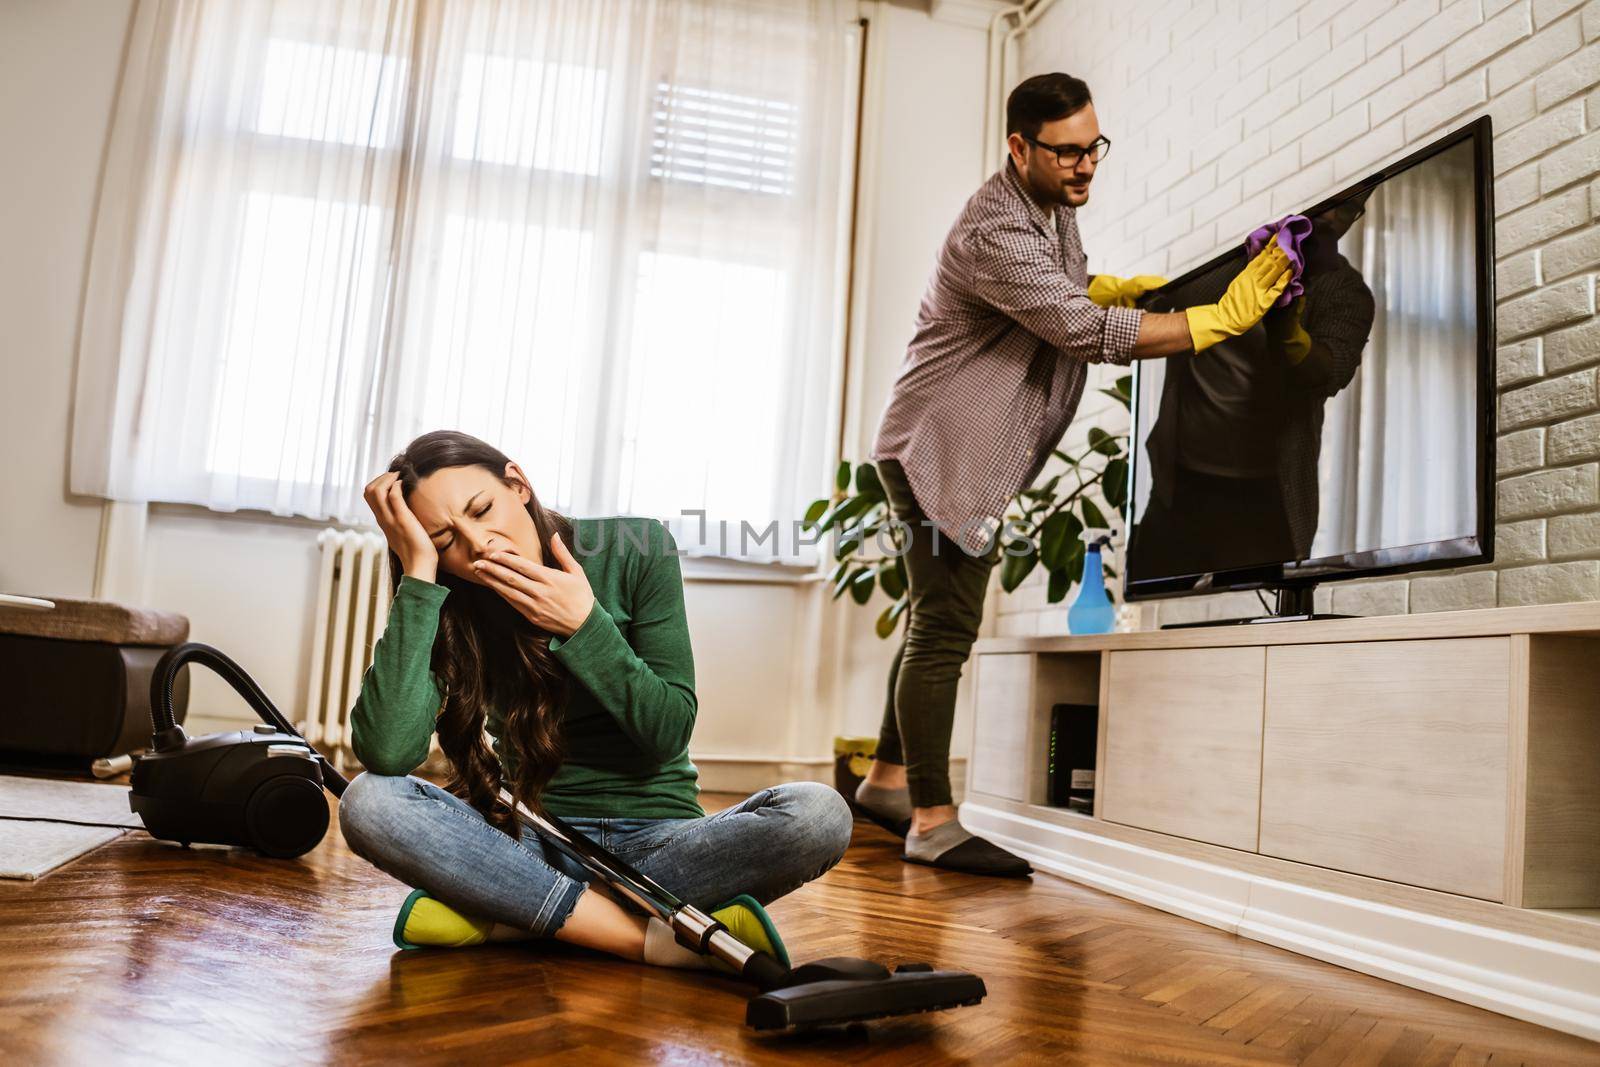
(1262, 463)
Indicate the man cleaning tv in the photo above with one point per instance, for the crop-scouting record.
(992, 377)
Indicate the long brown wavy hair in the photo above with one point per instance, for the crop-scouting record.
(487, 654)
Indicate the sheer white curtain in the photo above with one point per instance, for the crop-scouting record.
(605, 235)
(1399, 443)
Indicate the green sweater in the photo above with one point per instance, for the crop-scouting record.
(630, 704)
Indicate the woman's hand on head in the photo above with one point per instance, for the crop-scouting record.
(556, 598)
(407, 539)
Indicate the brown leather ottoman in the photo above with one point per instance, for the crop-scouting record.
(75, 681)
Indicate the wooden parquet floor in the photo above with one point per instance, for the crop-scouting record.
(145, 953)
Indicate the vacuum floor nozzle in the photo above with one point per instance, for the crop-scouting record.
(842, 991)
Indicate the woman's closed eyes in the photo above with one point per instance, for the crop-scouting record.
(476, 515)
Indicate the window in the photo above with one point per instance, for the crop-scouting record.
(610, 245)
(524, 113)
(319, 92)
(723, 139)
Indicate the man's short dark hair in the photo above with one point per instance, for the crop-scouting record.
(1044, 98)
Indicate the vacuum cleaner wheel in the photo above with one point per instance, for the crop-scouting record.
(286, 816)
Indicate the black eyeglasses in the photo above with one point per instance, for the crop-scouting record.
(1070, 155)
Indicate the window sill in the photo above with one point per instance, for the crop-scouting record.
(749, 572)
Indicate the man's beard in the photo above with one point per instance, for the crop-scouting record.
(1053, 191)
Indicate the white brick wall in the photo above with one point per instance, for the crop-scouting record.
(1227, 113)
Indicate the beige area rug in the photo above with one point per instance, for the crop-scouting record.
(45, 822)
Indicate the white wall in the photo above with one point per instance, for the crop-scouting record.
(922, 157)
(781, 668)
(1226, 114)
(58, 69)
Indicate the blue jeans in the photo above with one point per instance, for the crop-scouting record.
(770, 844)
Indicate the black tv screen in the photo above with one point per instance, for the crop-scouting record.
(1370, 453)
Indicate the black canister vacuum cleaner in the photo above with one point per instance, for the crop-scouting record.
(262, 789)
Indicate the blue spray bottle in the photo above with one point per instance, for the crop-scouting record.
(1092, 612)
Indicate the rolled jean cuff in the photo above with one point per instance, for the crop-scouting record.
(557, 906)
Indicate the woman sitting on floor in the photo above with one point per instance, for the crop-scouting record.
(566, 641)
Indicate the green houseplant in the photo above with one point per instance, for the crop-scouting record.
(1043, 523)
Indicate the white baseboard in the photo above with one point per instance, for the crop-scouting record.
(747, 774)
(1534, 979)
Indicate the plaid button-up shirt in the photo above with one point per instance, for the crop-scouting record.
(996, 368)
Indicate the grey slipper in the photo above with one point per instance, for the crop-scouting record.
(977, 856)
(949, 846)
(888, 808)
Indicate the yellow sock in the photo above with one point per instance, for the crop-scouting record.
(749, 922)
(425, 921)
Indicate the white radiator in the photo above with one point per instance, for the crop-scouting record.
(349, 613)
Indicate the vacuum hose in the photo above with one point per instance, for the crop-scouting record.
(170, 736)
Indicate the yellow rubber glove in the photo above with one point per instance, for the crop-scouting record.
(1285, 333)
(1108, 290)
(1248, 297)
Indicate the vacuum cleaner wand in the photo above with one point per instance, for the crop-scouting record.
(828, 992)
(693, 928)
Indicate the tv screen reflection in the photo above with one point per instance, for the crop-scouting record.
(1346, 421)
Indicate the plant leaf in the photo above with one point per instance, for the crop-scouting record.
(870, 521)
(1093, 517)
(1044, 490)
(1074, 532)
(889, 576)
(862, 584)
(814, 512)
(1115, 483)
(847, 547)
(841, 480)
(843, 512)
(891, 617)
(853, 507)
(1060, 582)
(1103, 443)
(1122, 391)
(1016, 568)
(843, 583)
(1056, 538)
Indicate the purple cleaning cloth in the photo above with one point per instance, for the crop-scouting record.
(1290, 231)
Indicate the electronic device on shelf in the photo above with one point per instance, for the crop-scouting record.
(1070, 759)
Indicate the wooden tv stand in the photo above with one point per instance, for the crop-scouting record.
(1414, 796)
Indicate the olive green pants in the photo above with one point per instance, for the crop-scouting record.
(947, 587)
